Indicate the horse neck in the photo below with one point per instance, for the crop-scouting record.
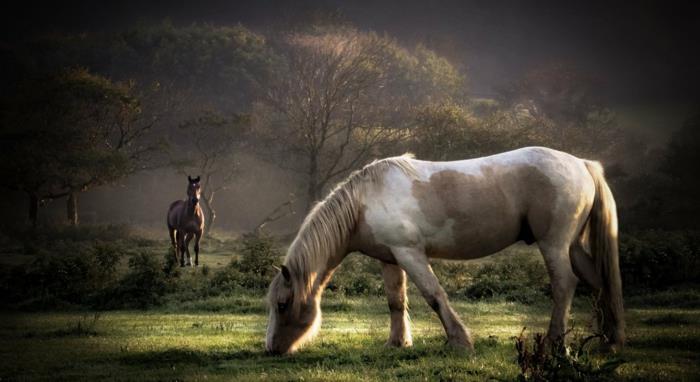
(325, 273)
(319, 276)
(190, 208)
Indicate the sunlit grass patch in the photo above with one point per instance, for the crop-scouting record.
(168, 344)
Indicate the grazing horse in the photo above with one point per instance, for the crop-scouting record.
(185, 220)
(404, 211)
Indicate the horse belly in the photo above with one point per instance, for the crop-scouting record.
(465, 216)
(471, 239)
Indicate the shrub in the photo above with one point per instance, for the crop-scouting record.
(143, 286)
(70, 273)
(259, 252)
(454, 276)
(358, 275)
(515, 278)
(254, 270)
(658, 259)
(228, 279)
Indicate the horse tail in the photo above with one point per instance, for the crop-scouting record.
(603, 244)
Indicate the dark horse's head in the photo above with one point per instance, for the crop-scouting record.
(193, 190)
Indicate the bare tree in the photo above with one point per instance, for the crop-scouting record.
(326, 103)
(212, 142)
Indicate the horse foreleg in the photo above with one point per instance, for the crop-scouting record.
(415, 263)
(188, 237)
(180, 248)
(395, 286)
(563, 281)
(197, 237)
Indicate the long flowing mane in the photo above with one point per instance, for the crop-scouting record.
(328, 225)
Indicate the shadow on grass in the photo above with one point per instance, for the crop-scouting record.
(186, 356)
(670, 319)
(666, 342)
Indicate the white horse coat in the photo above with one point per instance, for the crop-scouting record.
(403, 211)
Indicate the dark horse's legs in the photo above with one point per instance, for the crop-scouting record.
(188, 237)
(172, 241)
(197, 237)
(180, 248)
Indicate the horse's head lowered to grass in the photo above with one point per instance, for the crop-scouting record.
(294, 297)
(293, 319)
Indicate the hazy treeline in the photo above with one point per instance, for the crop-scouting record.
(271, 120)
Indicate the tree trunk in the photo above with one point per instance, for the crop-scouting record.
(33, 209)
(210, 213)
(72, 208)
(313, 192)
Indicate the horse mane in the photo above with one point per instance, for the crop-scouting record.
(327, 227)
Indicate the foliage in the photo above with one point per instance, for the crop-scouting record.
(358, 275)
(254, 269)
(517, 278)
(144, 285)
(70, 273)
(68, 132)
(549, 361)
(259, 252)
(659, 259)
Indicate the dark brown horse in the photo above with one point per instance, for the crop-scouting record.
(185, 220)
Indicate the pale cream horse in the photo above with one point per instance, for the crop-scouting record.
(404, 211)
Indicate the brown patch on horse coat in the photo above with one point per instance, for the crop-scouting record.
(489, 211)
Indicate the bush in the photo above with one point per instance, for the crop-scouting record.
(515, 278)
(658, 259)
(454, 276)
(143, 286)
(70, 273)
(254, 270)
(358, 275)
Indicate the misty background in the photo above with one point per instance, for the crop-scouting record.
(208, 83)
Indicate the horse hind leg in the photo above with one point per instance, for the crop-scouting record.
(415, 263)
(395, 286)
(563, 283)
(171, 231)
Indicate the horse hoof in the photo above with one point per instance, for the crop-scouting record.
(399, 343)
(460, 344)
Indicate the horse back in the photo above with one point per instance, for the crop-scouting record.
(472, 208)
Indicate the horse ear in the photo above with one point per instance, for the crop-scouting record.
(285, 273)
(197, 179)
(189, 178)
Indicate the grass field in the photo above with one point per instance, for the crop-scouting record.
(192, 343)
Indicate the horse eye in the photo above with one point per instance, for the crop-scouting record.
(281, 307)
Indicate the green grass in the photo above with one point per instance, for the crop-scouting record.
(180, 343)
